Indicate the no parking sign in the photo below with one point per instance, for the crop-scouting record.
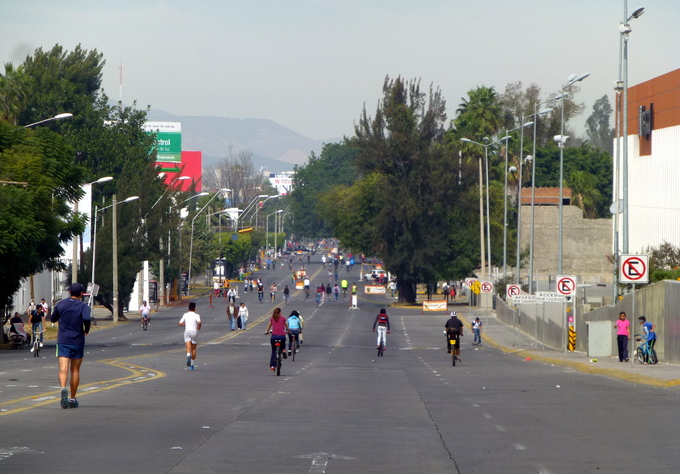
(634, 269)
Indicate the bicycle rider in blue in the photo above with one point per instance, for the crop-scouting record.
(649, 330)
(295, 326)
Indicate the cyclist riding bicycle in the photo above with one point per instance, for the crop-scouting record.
(295, 326)
(145, 313)
(278, 327)
(454, 329)
(382, 321)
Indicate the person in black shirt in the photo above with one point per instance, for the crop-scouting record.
(454, 329)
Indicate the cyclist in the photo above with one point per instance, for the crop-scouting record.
(145, 312)
(295, 326)
(454, 329)
(279, 328)
(37, 320)
(382, 321)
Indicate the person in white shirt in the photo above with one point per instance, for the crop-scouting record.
(145, 313)
(243, 315)
(192, 324)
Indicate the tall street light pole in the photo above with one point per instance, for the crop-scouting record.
(114, 233)
(201, 194)
(561, 140)
(191, 245)
(486, 145)
(56, 117)
(536, 114)
(519, 192)
(625, 30)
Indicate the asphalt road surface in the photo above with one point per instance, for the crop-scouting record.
(336, 408)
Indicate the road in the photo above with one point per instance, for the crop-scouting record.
(336, 408)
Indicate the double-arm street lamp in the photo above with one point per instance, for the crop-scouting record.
(486, 145)
(191, 244)
(267, 225)
(561, 141)
(115, 252)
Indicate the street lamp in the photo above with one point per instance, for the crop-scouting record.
(201, 194)
(536, 114)
(267, 226)
(561, 142)
(94, 253)
(75, 260)
(257, 208)
(191, 245)
(481, 212)
(625, 30)
(56, 117)
(250, 205)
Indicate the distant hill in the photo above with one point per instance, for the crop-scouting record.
(274, 146)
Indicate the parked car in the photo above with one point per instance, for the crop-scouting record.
(375, 275)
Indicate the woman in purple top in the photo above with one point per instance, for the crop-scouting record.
(278, 328)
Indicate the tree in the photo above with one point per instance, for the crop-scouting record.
(39, 180)
(236, 174)
(335, 166)
(600, 133)
(401, 154)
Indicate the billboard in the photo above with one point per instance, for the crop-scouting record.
(168, 140)
(191, 165)
(283, 182)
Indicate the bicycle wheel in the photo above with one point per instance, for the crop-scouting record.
(36, 349)
(279, 361)
(653, 359)
(452, 344)
(639, 353)
(146, 324)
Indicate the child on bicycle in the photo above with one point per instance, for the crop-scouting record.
(649, 330)
(382, 321)
(295, 325)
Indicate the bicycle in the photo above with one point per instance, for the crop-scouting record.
(145, 322)
(381, 343)
(454, 343)
(278, 361)
(294, 343)
(645, 354)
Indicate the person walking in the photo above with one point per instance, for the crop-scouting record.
(191, 321)
(73, 317)
(243, 315)
(477, 331)
(336, 292)
(286, 294)
(278, 328)
(272, 293)
(622, 335)
(232, 314)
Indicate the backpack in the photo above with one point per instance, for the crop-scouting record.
(293, 322)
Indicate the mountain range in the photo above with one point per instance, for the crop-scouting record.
(274, 147)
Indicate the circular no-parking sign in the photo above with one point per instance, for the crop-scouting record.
(634, 269)
(566, 285)
(487, 286)
(513, 290)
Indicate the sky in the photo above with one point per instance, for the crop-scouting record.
(312, 65)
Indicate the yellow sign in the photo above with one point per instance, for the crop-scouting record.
(476, 287)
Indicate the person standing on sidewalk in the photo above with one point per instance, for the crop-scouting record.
(622, 334)
(192, 324)
(74, 323)
(477, 331)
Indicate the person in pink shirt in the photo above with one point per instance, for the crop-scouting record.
(622, 335)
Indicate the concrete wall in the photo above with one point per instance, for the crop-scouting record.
(585, 244)
(658, 302)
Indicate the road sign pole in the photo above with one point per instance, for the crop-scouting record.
(565, 331)
(632, 333)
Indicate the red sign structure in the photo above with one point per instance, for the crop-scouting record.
(634, 269)
(513, 290)
(566, 285)
(487, 286)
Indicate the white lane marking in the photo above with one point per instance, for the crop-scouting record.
(519, 447)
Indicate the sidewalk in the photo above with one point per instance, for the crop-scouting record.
(504, 337)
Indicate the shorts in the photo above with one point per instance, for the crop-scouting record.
(190, 336)
(70, 351)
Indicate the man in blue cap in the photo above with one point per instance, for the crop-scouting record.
(74, 323)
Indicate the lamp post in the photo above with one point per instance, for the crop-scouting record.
(561, 142)
(257, 209)
(191, 245)
(267, 226)
(481, 216)
(625, 30)
(201, 194)
(56, 117)
(75, 260)
(94, 252)
(536, 114)
(250, 205)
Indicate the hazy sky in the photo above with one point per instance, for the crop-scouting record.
(311, 65)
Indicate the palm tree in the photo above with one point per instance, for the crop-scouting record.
(12, 94)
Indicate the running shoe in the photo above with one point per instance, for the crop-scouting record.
(73, 403)
(191, 367)
(290, 352)
(272, 369)
(64, 397)
(188, 361)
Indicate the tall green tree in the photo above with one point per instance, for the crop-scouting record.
(600, 132)
(401, 155)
